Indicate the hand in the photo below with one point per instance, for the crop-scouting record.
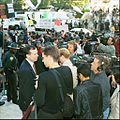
(33, 109)
(109, 77)
(98, 40)
(24, 112)
(113, 83)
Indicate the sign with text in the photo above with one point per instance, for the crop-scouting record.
(46, 24)
(10, 10)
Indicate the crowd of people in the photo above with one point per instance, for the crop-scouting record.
(88, 68)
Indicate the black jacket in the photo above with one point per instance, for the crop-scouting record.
(47, 95)
(87, 99)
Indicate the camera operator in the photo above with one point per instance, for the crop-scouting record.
(109, 49)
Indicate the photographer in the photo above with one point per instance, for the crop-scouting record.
(109, 49)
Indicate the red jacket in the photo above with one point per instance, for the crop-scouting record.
(117, 48)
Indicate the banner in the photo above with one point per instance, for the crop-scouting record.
(10, 10)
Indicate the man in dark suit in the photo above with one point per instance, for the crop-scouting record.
(27, 76)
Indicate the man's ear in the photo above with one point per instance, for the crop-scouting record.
(49, 57)
(81, 75)
(27, 56)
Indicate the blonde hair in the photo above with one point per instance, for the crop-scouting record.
(65, 52)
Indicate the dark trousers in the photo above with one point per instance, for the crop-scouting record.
(11, 86)
(45, 115)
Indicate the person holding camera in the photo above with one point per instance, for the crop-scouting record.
(109, 49)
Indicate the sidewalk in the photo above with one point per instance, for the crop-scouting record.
(10, 111)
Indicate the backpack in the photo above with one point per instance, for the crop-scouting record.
(67, 108)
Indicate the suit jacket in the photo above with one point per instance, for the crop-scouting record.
(26, 77)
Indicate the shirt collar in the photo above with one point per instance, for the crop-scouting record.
(31, 63)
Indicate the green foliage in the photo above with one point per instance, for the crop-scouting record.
(34, 2)
(59, 4)
(5, 1)
(78, 15)
(18, 5)
(44, 4)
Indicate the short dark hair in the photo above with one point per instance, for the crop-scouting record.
(53, 51)
(84, 68)
(112, 39)
(28, 48)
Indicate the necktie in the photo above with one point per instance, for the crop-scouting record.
(34, 68)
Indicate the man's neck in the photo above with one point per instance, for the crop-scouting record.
(85, 79)
(54, 65)
(96, 71)
(30, 61)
